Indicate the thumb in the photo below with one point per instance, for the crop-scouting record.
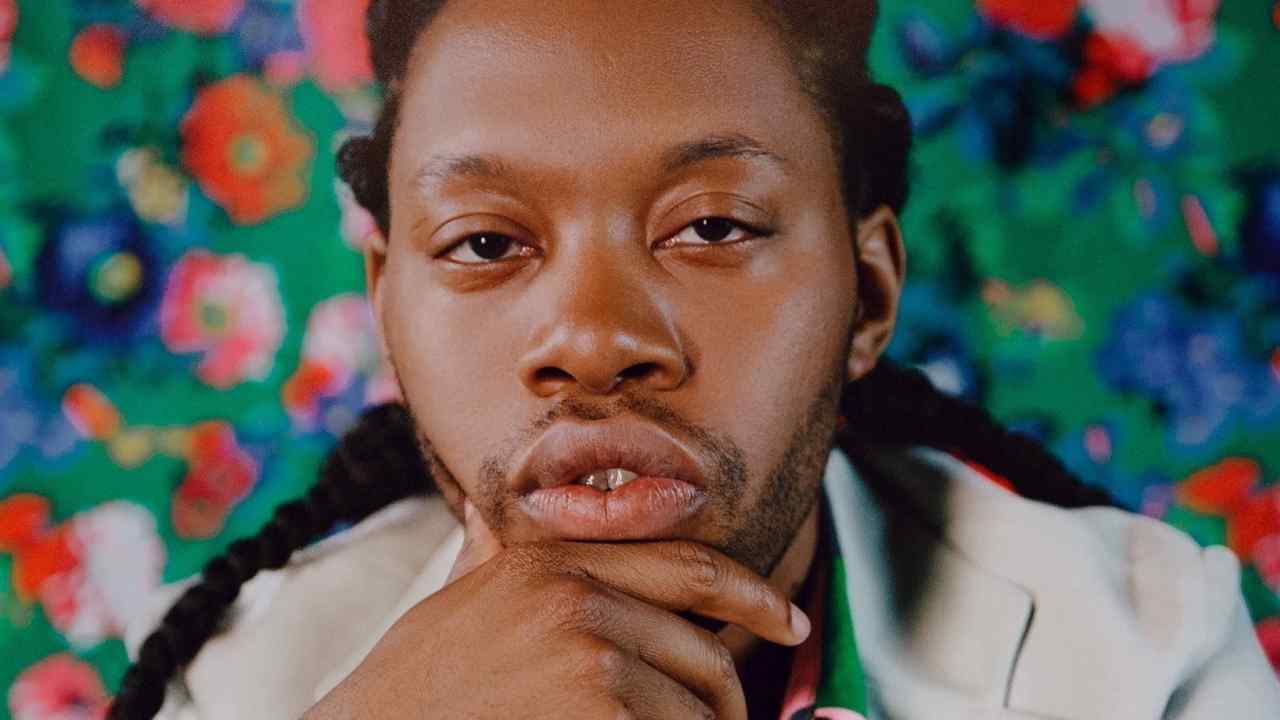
(479, 543)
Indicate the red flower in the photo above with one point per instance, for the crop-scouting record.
(1231, 489)
(39, 552)
(220, 474)
(337, 48)
(245, 150)
(206, 17)
(97, 55)
(8, 24)
(59, 687)
(1044, 19)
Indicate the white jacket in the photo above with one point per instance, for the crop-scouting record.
(969, 602)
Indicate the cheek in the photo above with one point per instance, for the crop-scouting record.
(457, 376)
(771, 349)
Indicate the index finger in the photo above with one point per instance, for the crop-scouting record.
(683, 576)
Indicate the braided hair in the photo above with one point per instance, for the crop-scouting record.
(381, 460)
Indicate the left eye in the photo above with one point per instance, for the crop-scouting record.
(713, 231)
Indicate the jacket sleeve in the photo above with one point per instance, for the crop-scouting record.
(1235, 681)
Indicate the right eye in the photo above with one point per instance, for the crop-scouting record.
(481, 249)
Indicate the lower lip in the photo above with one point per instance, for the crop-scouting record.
(646, 508)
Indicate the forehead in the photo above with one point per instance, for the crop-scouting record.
(572, 83)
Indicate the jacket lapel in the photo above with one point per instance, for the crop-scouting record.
(937, 632)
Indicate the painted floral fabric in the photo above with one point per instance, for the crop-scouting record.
(1094, 234)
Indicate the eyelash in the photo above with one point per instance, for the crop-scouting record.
(752, 232)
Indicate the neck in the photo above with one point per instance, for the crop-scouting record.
(757, 661)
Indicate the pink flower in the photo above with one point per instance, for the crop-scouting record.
(227, 308)
(359, 229)
(336, 45)
(205, 17)
(341, 344)
(120, 560)
(59, 687)
(89, 573)
(1168, 31)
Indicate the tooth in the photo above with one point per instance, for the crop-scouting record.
(607, 479)
(619, 477)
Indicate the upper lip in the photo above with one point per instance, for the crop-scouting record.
(568, 451)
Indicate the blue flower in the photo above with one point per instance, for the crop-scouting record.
(102, 272)
(1194, 365)
(32, 429)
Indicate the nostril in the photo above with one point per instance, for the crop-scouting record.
(638, 371)
(551, 374)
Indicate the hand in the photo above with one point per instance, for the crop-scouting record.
(568, 630)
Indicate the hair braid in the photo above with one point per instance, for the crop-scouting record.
(896, 404)
(375, 464)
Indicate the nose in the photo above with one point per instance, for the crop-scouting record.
(606, 326)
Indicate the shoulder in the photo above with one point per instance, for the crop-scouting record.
(1132, 610)
(294, 625)
(1171, 589)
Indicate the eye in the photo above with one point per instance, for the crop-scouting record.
(713, 231)
(482, 249)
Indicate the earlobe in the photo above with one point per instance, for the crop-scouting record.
(881, 262)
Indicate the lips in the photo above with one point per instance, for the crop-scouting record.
(661, 501)
(568, 451)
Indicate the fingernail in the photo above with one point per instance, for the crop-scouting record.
(800, 626)
(468, 509)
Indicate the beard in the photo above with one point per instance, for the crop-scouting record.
(756, 535)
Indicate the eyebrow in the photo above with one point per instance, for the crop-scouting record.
(447, 168)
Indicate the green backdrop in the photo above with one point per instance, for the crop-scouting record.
(1094, 238)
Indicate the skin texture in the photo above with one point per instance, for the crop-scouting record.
(609, 303)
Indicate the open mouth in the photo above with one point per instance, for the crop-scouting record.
(610, 480)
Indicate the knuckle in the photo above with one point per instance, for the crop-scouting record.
(573, 602)
(589, 606)
(774, 602)
(765, 601)
(701, 711)
(724, 670)
(605, 665)
(702, 573)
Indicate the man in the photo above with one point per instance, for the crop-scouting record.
(640, 266)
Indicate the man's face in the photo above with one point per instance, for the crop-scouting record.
(546, 276)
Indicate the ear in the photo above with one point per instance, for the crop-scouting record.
(375, 263)
(881, 262)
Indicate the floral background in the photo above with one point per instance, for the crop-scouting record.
(1094, 232)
